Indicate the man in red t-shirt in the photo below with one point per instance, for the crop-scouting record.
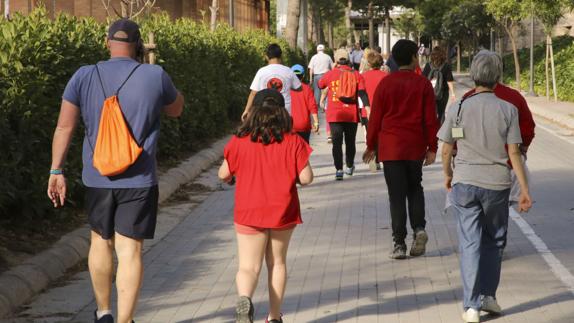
(303, 105)
(343, 117)
(403, 125)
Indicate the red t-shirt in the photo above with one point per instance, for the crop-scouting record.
(404, 123)
(525, 119)
(302, 105)
(372, 80)
(338, 111)
(266, 177)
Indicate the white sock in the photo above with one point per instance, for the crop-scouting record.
(100, 314)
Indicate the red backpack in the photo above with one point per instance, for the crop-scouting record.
(348, 84)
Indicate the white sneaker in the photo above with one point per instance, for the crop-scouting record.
(471, 316)
(490, 305)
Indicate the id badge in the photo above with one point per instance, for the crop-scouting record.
(457, 133)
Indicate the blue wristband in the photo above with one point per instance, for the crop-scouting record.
(56, 172)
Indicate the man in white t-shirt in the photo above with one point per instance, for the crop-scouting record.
(274, 76)
(320, 64)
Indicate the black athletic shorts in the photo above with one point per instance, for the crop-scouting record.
(131, 212)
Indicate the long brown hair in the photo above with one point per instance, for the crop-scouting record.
(266, 123)
(438, 57)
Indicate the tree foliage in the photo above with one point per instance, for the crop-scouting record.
(467, 23)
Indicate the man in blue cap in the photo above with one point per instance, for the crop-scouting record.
(122, 209)
(303, 105)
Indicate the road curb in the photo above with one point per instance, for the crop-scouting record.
(21, 283)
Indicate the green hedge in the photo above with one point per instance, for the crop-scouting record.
(39, 55)
(564, 63)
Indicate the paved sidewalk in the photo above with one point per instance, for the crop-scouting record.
(339, 270)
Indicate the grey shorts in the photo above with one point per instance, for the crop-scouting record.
(131, 212)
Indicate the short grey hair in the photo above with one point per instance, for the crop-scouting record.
(486, 68)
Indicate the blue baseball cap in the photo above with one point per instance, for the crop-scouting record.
(298, 69)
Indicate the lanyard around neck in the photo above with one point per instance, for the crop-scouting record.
(458, 116)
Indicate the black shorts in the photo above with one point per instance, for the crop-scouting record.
(131, 212)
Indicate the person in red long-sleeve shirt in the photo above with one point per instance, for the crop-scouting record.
(403, 125)
(303, 107)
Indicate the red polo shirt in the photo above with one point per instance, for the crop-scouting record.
(266, 191)
(525, 119)
(372, 80)
(338, 111)
(404, 123)
(302, 105)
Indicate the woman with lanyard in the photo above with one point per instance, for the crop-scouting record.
(482, 126)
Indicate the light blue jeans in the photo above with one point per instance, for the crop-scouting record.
(316, 89)
(482, 217)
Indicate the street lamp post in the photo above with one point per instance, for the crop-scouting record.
(531, 88)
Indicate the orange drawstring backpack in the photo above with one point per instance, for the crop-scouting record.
(116, 149)
(347, 87)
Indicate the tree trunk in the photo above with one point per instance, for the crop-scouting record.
(348, 23)
(316, 26)
(330, 34)
(515, 54)
(321, 30)
(293, 13)
(388, 31)
(554, 87)
(214, 8)
(7, 9)
(458, 57)
(311, 17)
(546, 66)
(371, 26)
(357, 36)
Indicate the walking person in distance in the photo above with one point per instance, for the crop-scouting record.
(439, 72)
(345, 86)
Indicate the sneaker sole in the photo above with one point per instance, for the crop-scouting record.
(398, 257)
(243, 311)
(419, 247)
(464, 318)
(491, 311)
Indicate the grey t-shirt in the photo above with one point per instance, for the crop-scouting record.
(488, 124)
(142, 99)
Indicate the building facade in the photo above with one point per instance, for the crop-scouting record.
(242, 14)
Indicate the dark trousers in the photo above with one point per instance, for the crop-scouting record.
(306, 135)
(404, 179)
(348, 132)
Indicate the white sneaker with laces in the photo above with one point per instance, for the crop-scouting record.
(471, 316)
(490, 305)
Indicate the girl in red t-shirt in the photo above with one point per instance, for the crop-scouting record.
(267, 160)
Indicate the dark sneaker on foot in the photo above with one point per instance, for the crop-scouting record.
(399, 251)
(419, 243)
(108, 318)
(339, 175)
(280, 320)
(244, 310)
(350, 170)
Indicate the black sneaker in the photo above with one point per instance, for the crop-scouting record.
(108, 318)
(244, 310)
(399, 251)
(420, 239)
